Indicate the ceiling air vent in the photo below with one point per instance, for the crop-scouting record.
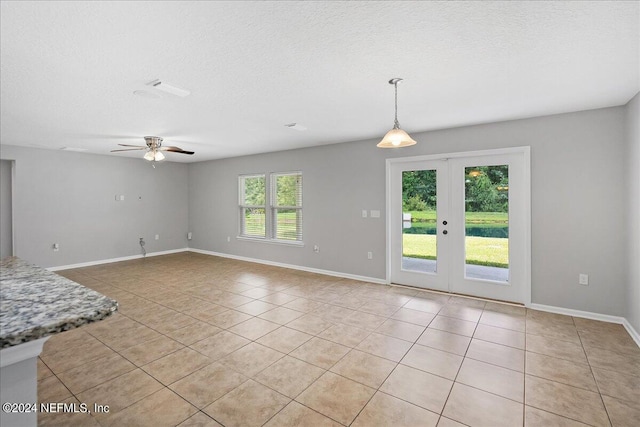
(74, 149)
(166, 87)
(295, 126)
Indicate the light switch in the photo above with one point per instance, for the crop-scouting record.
(375, 214)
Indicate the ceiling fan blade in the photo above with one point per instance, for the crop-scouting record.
(130, 149)
(128, 145)
(176, 150)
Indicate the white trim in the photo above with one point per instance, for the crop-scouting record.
(110, 260)
(589, 315)
(525, 151)
(549, 308)
(293, 267)
(388, 219)
(298, 243)
(634, 334)
(493, 152)
(526, 193)
(21, 352)
(577, 313)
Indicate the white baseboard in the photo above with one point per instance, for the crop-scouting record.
(589, 315)
(108, 261)
(549, 308)
(294, 267)
(578, 313)
(634, 334)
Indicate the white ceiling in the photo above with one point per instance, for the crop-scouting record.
(69, 69)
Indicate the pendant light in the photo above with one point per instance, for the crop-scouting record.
(396, 137)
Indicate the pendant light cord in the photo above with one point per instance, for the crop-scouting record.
(396, 120)
(396, 125)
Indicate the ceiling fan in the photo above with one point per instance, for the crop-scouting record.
(154, 149)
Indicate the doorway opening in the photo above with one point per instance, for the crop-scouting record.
(461, 223)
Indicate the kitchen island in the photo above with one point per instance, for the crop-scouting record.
(35, 304)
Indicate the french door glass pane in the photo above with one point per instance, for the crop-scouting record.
(487, 222)
(419, 222)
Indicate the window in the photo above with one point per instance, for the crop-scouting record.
(253, 209)
(286, 206)
(273, 211)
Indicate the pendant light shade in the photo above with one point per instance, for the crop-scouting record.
(396, 137)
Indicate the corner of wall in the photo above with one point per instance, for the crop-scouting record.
(633, 211)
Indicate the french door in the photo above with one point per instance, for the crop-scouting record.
(460, 223)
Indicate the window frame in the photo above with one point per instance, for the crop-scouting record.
(242, 206)
(270, 208)
(274, 207)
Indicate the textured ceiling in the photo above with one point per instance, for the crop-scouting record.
(69, 69)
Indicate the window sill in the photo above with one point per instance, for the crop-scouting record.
(271, 241)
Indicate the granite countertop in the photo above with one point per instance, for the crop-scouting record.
(35, 303)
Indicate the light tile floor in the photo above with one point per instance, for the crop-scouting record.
(207, 341)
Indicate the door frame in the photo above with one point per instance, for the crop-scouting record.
(524, 151)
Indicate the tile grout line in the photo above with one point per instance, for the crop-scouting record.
(458, 373)
(593, 375)
(390, 316)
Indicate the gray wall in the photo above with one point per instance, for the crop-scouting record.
(583, 219)
(6, 243)
(69, 198)
(633, 209)
(578, 204)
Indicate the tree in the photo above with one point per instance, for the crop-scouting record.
(287, 194)
(254, 191)
(486, 189)
(419, 185)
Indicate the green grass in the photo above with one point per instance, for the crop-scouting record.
(286, 227)
(488, 251)
(471, 217)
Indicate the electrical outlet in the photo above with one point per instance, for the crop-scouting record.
(364, 213)
(316, 248)
(369, 255)
(157, 237)
(55, 247)
(228, 238)
(583, 279)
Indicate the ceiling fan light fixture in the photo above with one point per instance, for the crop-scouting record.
(396, 137)
(153, 149)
